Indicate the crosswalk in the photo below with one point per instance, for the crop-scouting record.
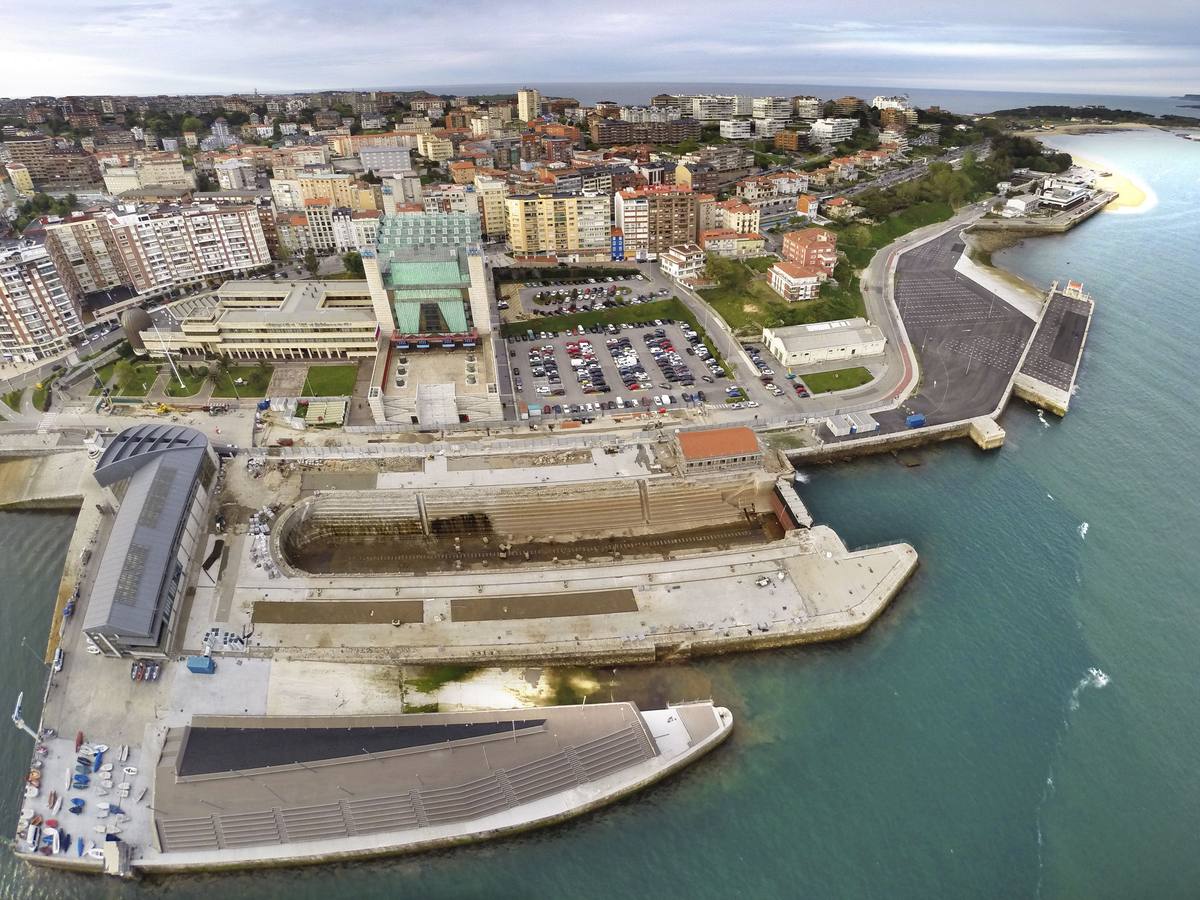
(47, 423)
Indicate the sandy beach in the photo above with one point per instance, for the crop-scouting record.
(1131, 195)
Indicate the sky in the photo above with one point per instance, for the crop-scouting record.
(1150, 48)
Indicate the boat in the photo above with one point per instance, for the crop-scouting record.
(31, 791)
(58, 659)
(51, 837)
(130, 770)
(100, 748)
(133, 670)
(97, 762)
(33, 835)
(79, 846)
(124, 752)
(95, 853)
(55, 801)
(106, 767)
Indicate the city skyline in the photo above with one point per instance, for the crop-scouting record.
(162, 46)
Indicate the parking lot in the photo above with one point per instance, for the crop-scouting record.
(553, 298)
(609, 369)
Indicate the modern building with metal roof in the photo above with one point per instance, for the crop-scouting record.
(158, 479)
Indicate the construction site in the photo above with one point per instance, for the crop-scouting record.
(614, 554)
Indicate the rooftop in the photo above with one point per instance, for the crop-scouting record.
(718, 442)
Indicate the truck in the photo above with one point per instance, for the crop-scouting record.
(916, 420)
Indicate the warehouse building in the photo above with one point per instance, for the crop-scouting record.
(710, 449)
(800, 345)
(157, 479)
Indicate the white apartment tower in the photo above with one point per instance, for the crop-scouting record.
(529, 104)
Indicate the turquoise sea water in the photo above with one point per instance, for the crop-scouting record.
(963, 747)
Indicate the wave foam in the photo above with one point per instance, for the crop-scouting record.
(1083, 530)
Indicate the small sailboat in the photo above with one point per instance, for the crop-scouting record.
(95, 853)
(124, 752)
(98, 761)
(130, 770)
(106, 767)
(100, 748)
(79, 846)
(55, 801)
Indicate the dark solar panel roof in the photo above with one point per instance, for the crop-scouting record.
(161, 464)
(209, 750)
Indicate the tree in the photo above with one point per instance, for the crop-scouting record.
(191, 123)
(311, 262)
(123, 374)
(352, 261)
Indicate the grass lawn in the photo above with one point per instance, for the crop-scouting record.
(670, 308)
(105, 372)
(254, 382)
(746, 302)
(330, 381)
(760, 263)
(342, 276)
(13, 400)
(193, 380)
(839, 380)
(41, 393)
(859, 242)
(140, 382)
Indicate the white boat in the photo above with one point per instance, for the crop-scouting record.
(124, 752)
(104, 806)
(55, 840)
(95, 853)
(57, 804)
(130, 770)
(100, 748)
(106, 767)
(124, 786)
(99, 829)
(31, 791)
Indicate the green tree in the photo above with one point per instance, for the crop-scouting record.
(191, 123)
(352, 261)
(123, 374)
(311, 262)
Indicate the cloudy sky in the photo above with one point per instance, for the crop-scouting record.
(196, 46)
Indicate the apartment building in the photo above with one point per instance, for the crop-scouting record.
(832, 131)
(811, 247)
(355, 229)
(339, 189)
(605, 132)
(772, 108)
(22, 181)
(807, 107)
(653, 219)
(236, 175)
(732, 244)
(39, 309)
(794, 282)
(569, 226)
(683, 262)
(492, 193)
(641, 114)
(385, 160)
(715, 107)
(435, 148)
(737, 215)
(737, 129)
(529, 104)
(449, 198)
(897, 102)
(51, 168)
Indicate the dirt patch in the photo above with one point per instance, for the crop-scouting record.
(338, 612)
(540, 606)
(518, 461)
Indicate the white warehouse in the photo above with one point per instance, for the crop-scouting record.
(800, 345)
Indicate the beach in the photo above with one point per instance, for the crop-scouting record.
(1131, 195)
